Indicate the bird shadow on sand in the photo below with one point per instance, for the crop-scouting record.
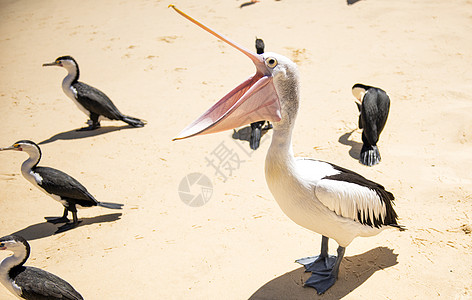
(248, 3)
(354, 271)
(351, 2)
(356, 147)
(45, 229)
(75, 135)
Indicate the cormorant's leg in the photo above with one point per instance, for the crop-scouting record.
(95, 123)
(322, 281)
(72, 224)
(320, 263)
(55, 220)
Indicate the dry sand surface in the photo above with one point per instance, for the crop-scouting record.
(158, 66)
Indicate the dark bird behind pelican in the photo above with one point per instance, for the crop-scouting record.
(373, 106)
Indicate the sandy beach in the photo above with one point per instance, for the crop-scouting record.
(157, 66)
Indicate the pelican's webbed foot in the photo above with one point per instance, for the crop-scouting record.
(324, 268)
(318, 263)
(321, 282)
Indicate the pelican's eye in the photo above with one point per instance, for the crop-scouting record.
(16, 145)
(271, 62)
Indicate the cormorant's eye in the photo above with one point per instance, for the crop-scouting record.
(271, 62)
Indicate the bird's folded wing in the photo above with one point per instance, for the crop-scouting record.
(352, 201)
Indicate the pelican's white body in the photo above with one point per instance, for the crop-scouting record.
(293, 183)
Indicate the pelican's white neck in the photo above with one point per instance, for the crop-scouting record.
(286, 83)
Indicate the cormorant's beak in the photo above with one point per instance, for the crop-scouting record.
(58, 64)
(11, 148)
(253, 100)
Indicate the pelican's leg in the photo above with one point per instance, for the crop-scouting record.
(320, 263)
(322, 281)
(55, 220)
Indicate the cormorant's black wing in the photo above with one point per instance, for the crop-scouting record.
(38, 284)
(374, 113)
(96, 101)
(59, 183)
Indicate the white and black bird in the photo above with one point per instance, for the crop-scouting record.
(30, 282)
(373, 105)
(91, 101)
(332, 201)
(257, 128)
(57, 184)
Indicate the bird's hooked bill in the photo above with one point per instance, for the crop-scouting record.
(7, 148)
(51, 64)
(253, 100)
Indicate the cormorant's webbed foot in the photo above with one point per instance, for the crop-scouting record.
(91, 127)
(67, 226)
(57, 220)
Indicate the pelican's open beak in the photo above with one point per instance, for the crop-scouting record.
(253, 100)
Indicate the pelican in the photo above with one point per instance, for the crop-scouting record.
(322, 197)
